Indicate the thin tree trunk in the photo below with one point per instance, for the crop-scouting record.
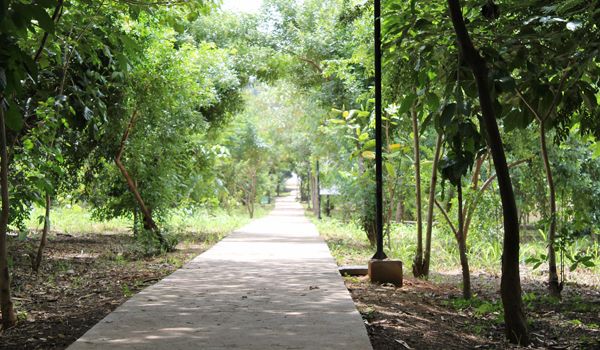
(418, 260)
(318, 192)
(477, 171)
(146, 213)
(44, 239)
(431, 204)
(470, 209)
(462, 247)
(310, 187)
(510, 286)
(252, 198)
(447, 202)
(553, 286)
(55, 18)
(399, 211)
(9, 318)
(136, 221)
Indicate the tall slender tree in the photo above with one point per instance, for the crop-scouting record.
(510, 287)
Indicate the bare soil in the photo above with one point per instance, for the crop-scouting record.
(81, 280)
(427, 315)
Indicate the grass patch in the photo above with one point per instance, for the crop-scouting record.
(349, 246)
(76, 220)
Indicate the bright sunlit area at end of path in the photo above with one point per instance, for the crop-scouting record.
(250, 6)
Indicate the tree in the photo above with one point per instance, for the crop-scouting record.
(9, 317)
(514, 316)
(543, 84)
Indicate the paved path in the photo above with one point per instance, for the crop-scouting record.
(270, 285)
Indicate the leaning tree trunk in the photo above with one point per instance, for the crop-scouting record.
(510, 285)
(146, 213)
(462, 246)
(431, 204)
(44, 240)
(9, 318)
(418, 260)
(553, 286)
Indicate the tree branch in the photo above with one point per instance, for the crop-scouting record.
(533, 110)
(149, 222)
(445, 213)
(55, 18)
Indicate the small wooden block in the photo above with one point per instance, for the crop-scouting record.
(386, 271)
(354, 270)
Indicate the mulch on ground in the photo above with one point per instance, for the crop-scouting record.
(427, 315)
(81, 280)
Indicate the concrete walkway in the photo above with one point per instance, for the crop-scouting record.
(270, 285)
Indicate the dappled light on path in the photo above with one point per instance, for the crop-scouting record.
(269, 285)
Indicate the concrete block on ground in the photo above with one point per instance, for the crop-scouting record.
(386, 271)
(354, 270)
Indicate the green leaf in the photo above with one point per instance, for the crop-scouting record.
(14, 119)
(179, 27)
(192, 16)
(368, 154)
(3, 10)
(394, 147)
(588, 263)
(369, 144)
(574, 266)
(407, 103)
(41, 16)
(446, 116)
(363, 137)
(516, 119)
(28, 144)
(390, 168)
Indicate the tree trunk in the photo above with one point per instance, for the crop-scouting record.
(510, 286)
(44, 240)
(469, 210)
(136, 221)
(399, 211)
(146, 213)
(554, 288)
(303, 189)
(9, 318)
(462, 247)
(418, 260)
(310, 187)
(251, 194)
(431, 204)
(318, 192)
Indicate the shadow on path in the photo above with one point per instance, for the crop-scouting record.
(270, 285)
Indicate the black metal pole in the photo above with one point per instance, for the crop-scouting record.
(378, 153)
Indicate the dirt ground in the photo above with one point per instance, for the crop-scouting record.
(427, 315)
(82, 279)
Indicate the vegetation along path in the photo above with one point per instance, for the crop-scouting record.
(270, 285)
